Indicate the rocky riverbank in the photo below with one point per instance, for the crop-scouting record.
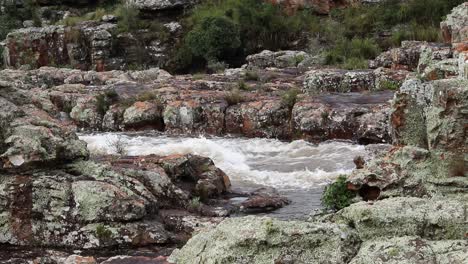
(59, 205)
(413, 200)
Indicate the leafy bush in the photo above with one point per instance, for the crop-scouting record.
(214, 38)
(336, 195)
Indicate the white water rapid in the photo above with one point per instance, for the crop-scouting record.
(298, 169)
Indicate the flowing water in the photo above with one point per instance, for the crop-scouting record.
(298, 169)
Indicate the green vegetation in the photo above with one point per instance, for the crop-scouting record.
(105, 100)
(241, 85)
(388, 85)
(336, 195)
(195, 204)
(227, 30)
(234, 97)
(352, 54)
(289, 98)
(102, 233)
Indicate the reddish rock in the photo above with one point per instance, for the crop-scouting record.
(267, 117)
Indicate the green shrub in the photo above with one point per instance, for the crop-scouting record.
(147, 96)
(336, 196)
(214, 38)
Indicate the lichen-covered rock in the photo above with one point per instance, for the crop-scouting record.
(266, 240)
(362, 118)
(333, 80)
(197, 112)
(209, 180)
(157, 5)
(455, 26)
(412, 250)
(279, 59)
(29, 136)
(430, 114)
(407, 57)
(144, 114)
(86, 113)
(435, 219)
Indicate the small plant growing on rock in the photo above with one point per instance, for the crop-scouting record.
(194, 204)
(270, 227)
(105, 100)
(389, 85)
(241, 85)
(289, 98)
(336, 195)
(325, 115)
(233, 97)
(102, 233)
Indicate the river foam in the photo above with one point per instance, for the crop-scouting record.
(270, 162)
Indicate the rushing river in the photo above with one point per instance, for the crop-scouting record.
(297, 169)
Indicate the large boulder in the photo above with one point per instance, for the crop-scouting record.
(279, 59)
(435, 219)
(266, 240)
(455, 26)
(144, 114)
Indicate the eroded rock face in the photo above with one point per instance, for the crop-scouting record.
(427, 126)
(90, 45)
(343, 81)
(266, 240)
